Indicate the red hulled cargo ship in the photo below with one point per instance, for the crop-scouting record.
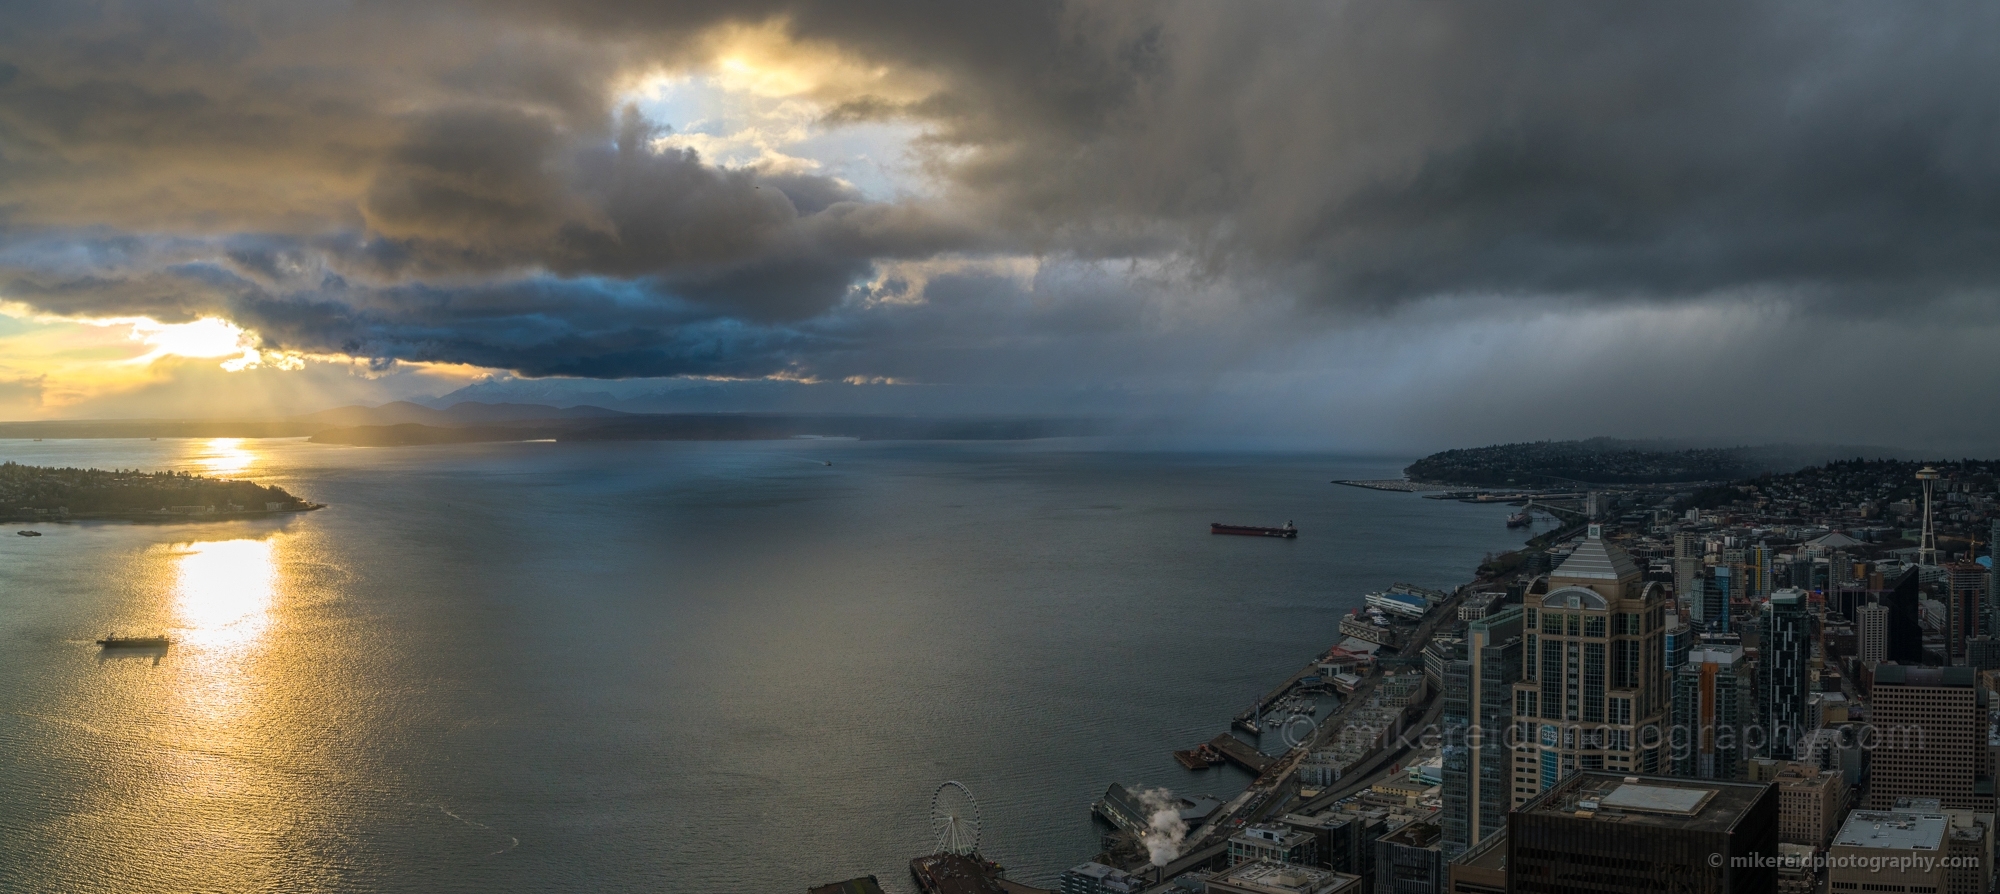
(1253, 531)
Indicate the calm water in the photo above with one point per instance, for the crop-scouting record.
(656, 666)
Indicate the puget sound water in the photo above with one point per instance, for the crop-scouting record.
(682, 667)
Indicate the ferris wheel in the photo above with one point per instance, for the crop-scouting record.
(955, 819)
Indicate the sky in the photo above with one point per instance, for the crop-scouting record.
(1359, 225)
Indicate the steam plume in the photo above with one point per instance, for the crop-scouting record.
(1165, 830)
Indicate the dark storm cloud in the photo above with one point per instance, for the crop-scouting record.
(456, 181)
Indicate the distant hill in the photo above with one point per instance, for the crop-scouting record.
(709, 427)
(407, 423)
(469, 412)
(1614, 461)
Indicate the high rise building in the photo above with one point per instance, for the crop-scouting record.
(1799, 572)
(1608, 833)
(1478, 764)
(1786, 649)
(1871, 629)
(1810, 802)
(1993, 580)
(1711, 698)
(1966, 594)
(1408, 861)
(1905, 627)
(1689, 549)
(1593, 674)
(1717, 593)
(1678, 639)
(1757, 561)
(1929, 728)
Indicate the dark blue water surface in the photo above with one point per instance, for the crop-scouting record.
(699, 667)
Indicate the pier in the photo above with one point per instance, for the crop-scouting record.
(1239, 752)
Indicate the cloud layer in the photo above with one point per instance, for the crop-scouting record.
(1128, 196)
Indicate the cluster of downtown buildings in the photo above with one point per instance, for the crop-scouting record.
(1789, 689)
(1746, 680)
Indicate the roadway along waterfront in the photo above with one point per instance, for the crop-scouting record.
(1273, 793)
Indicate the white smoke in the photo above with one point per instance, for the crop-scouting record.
(1165, 830)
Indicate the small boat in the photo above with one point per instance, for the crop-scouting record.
(115, 641)
(29, 533)
(829, 462)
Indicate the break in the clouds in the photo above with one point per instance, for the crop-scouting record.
(1135, 197)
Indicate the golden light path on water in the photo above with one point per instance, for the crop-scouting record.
(223, 593)
(219, 778)
(226, 456)
(222, 598)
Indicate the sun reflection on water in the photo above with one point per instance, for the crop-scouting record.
(227, 456)
(223, 591)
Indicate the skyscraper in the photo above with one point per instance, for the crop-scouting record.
(1717, 591)
(1965, 588)
(1905, 628)
(1609, 833)
(1757, 562)
(1478, 764)
(1593, 677)
(1711, 699)
(1677, 640)
(1993, 580)
(1929, 725)
(1689, 548)
(1871, 629)
(1787, 655)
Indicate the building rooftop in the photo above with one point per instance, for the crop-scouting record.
(1895, 831)
(1285, 878)
(1696, 804)
(1095, 870)
(1594, 559)
(1835, 540)
(1271, 833)
(1489, 853)
(1416, 835)
(1905, 675)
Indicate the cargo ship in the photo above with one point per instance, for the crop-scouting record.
(115, 641)
(1519, 520)
(1253, 531)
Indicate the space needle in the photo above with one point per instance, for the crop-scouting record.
(1927, 547)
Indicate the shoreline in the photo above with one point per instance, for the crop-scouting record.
(162, 515)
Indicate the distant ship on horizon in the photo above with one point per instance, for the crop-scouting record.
(1288, 531)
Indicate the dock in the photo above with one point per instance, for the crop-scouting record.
(1239, 752)
(1245, 720)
